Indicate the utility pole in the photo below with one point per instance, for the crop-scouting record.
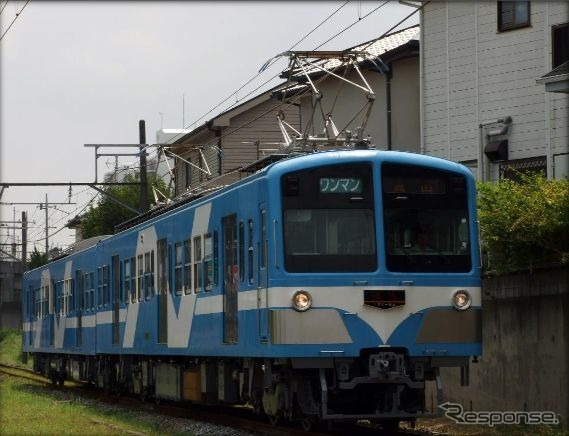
(143, 180)
(25, 241)
(46, 228)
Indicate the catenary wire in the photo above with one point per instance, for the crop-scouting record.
(15, 18)
(258, 74)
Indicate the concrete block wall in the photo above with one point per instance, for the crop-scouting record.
(525, 362)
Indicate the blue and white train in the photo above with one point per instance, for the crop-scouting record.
(329, 286)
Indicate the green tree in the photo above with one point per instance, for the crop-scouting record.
(37, 259)
(525, 223)
(102, 218)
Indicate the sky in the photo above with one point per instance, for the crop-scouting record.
(75, 73)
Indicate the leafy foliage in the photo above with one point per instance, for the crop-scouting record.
(102, 219)
(37, 259)
(524, 224)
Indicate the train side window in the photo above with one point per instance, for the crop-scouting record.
(178, 268)
(147, 277)
(92, 291)
(99, 287)
(59, 297)
(188, 266)
(132, 279)
(127, 281)
(241, 251)
(106, 287)
(208, 262)
(67, 296)
(251, 250)
(86, 282)
(197, 263)
(139, 289)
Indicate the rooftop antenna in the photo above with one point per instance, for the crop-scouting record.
(161, 120)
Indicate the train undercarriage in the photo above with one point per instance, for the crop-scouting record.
(382, 386)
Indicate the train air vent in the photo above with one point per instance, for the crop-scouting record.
(384, 299)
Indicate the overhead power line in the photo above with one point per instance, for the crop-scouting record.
(15, 18)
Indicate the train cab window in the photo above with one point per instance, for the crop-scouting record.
(188, 266)
(425, 220)
(208, 262)
(178, 268)
(329, 220)
(197, 263)
(250, 252)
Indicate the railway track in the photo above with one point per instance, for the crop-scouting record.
(239, 418)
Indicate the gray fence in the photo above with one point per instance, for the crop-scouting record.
(525, 362)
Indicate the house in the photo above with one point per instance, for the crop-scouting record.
(250, 131)
(235, 137)
(483, 103)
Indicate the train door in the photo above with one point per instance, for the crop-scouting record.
(79, 306)
(51, 316)
(162, 263)
(116, 298)
(231, 277)
(263, 274)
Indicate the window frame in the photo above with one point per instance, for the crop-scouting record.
(178, 268)
(187, 266)
(197, 262)
(514, 24)
(555, 50)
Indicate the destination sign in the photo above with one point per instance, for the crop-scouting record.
(340, 185)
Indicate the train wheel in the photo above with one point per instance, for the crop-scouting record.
(274, 419)
(390, 426)
(307, 423)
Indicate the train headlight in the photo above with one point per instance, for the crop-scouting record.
(301, 301)
(461, 300)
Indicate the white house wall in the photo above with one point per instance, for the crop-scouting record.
(473, 73)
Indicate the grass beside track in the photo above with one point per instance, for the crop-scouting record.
(30, 408)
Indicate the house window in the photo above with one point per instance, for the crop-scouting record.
(513, 15)
(560, 42)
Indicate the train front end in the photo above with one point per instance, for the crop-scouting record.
(377, 285)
